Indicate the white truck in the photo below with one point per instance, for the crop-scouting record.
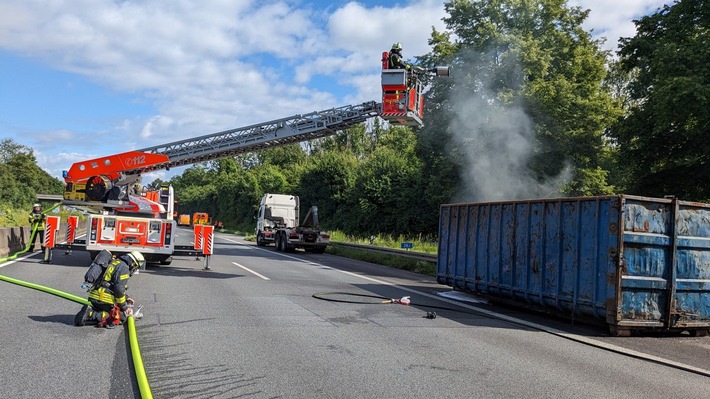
(278, 223)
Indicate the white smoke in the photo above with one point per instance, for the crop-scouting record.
(496, 142)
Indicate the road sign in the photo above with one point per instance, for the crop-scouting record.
(407, 245)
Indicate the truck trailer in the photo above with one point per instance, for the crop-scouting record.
(631, 263)
(278, 224)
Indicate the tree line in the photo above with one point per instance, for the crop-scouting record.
(534, 108)
(21, 179)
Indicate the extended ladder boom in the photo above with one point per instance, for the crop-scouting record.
(256, 137)
(224, 144)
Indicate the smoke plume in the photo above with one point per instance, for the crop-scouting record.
(496, 141)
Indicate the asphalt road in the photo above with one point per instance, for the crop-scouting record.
(251, 327)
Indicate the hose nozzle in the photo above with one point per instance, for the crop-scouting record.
(441, 71)
(404, 300)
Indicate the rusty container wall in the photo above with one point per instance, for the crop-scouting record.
(634, 263)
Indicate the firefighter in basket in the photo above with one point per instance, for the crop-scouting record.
(110, 306)
(396, 61)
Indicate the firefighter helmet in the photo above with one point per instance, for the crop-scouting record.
(36, 206)
(137, 260)
(397, 46)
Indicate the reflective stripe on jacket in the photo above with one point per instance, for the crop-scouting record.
(396, 62)
(37, 218)
(116, 278)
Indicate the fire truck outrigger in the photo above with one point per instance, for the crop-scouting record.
(122, 219)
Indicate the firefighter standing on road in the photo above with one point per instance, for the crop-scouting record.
(109, 302)
(37, 220)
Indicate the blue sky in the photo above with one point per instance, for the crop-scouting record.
(87, 78)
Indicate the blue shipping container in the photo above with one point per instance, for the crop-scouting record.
(634, 263)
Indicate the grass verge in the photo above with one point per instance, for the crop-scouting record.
(419, 243)
(397, 262)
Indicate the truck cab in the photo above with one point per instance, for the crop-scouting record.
(276, 211)
(278, 223)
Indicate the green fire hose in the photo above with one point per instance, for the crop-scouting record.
(141, 377)
(48, 290)
(32, 238)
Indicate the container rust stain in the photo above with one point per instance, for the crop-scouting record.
(627, 266)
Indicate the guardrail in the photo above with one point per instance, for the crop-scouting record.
(13, 239)
(398, 252)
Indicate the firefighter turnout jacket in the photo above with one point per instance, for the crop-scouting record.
(37, 218)
(397, 62)
(112, 289)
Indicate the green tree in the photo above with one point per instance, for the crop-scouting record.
(195, 175)
(282, 156)
(327, 183)
(9, 148)
(12, 193)
(664, 135)
(22, 179)
(272, 179)
(526, 109)
(385, 197)
(224, 165)
(356, 140)
(154, 185)
(236, 199)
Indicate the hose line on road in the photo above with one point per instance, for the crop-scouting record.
(332, 297)
(143, 384)
(141, 377)
(32, 239)
(381, 300)
(48, 290)
(25, 249)
(328, 296)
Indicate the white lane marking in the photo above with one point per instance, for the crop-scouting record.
(237, 242)
(250, 271)
(271, 251)
(514, 320)
(19, 258)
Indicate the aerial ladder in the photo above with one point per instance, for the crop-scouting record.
(101, 181)
(122, 218)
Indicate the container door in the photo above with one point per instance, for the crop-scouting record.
(691, 274)
(665, 271)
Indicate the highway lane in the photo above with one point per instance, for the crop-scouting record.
(43, 355)
(251, 328)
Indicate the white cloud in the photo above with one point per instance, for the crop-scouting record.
(612, 18)
(215, 65)
(355, 28)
